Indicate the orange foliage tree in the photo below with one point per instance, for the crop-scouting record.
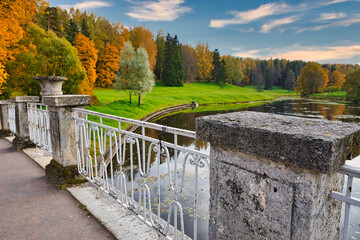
(88, 56)
(13, 17)
(205, 59)
(336, 79)
(108, 63)
(312, 79)
(142, 37)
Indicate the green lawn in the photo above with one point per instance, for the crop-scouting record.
(117, 102)
(334, 95)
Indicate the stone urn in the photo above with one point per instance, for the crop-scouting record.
(50, 85)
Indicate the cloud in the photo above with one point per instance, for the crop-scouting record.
(251, 15)
(248, 30)
(312, 53)
(341, 23)
(331, 16)
(86, 5)
(269, 9)
(265, 28)
(161, 10)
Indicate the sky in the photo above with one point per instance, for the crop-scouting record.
(325, 31)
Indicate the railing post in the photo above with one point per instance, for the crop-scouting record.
(63, 168)
(4, 115)
(271, 175)
(22, 139)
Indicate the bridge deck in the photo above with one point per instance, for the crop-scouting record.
(31, 208)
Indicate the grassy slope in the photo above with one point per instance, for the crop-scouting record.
(117, 102)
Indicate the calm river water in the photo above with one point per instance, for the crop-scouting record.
(294, 107)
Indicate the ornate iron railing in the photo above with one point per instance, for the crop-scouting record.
(39, 125)
(11, 117)
(147, 175)
(351, 171)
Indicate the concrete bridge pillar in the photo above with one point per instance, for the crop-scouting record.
(63, 168)
(271, 175)
(22, 138)
(5, 129)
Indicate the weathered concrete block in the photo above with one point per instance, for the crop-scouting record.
(62, 130)
(4, 115)
(318, 145)
(22, 139)
(271, 175)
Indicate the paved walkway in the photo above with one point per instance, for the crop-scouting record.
(31, 208)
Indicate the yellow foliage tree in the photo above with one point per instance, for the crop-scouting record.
(108, 63)
(14, 15)
(142, 37)
(205, 59)
(336, 79)
(88, 57)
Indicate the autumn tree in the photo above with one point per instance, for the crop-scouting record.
(290, 80)
(336, 79)
(173, 74)
(135, 74)
(142, 37)
(352, 86)
(190, 62)
(312, 79)
(108, 63)
(88, 57)
(204, 56)
(14, 15)
(46, 55)
(160, 56)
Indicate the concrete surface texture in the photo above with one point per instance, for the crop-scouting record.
(31, 208)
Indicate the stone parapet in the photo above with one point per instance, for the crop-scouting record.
(67, 100)
(4, 115)
(318, 145)
(271, 175)
(22, 139)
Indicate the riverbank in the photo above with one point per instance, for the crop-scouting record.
(117, 102)
(340, 95)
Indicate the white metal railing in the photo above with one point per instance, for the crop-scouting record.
(39, 125)
(351, 171)
(11, 117)
(147, 175)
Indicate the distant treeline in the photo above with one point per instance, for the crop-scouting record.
(33, 32)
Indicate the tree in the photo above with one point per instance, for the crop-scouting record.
(221, 76)
(88, 56)
(258, 78)
(142, 37)
(205, 59)
(233, 71)
(71, 31)
(290, 80)
(135, 73)
(85, 28)
(173, 74)
(336, 79)
(47, 55)
(108, 64)
(160, 56)
(312, 79)
(190, 62)
(53, 21)
(352, 86)
(216, 66)
(269, 75)
(14, 15)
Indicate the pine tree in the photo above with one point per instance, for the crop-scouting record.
(290, 80)
(216, 66)
(221, 76)
(160, 57)
(71, 31)
(173, 74)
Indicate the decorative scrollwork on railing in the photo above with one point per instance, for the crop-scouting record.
(145, 175)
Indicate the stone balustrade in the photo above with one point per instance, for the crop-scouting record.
(271, 175)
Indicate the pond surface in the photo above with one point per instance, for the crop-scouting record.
(293, 107)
